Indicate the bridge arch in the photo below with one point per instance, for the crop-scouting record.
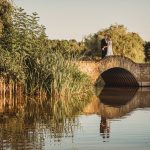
(121, 68)
(119, 71)
(119, 77)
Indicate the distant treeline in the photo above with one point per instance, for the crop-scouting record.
(128, 44)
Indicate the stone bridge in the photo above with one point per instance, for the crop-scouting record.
(117, 71)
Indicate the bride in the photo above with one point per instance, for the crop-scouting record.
(109, 47)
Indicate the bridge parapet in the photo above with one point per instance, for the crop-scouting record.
(120, 62)
(130, 70)
(144, 72)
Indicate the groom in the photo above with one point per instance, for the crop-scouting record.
(104, 45)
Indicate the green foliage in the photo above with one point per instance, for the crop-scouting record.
(125, 43)
(67, 48)
(147, 51)
(26, 39)
(40, 64)
(6, 10)
(92, 42)
(62, 78)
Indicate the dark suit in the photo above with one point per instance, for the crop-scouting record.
(103, 43)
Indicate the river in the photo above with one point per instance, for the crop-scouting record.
(116, 118)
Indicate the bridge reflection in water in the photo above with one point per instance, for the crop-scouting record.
(24, 123)
(118, 102)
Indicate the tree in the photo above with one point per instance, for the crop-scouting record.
(147, 51)
(67, 47)
(6, 9)
(40, 65)
(128, 44)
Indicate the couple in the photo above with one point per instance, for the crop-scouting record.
(106, 46)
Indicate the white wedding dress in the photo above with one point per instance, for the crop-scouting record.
(109, 49)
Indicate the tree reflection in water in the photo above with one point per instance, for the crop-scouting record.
(25, 122)
(117, 102)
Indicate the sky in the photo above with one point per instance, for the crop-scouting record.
(75, 19)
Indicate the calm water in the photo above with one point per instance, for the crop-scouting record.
(117, 119)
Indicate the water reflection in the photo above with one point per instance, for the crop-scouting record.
(104, 127)
(118, 102)
(28, 123)
(117, 96)
(25, 123)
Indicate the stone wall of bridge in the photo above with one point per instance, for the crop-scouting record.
(94, 69)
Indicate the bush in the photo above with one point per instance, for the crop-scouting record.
(125, 43)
